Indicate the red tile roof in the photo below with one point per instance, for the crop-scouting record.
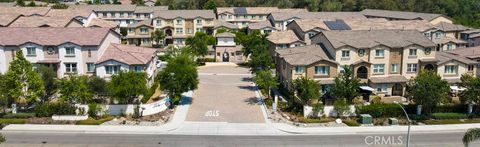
(128, 54)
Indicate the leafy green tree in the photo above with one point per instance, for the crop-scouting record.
(331, 5)
(199, 43)
(472, 93)
(157, 36)
(4, 100)
(178, 77)
(20, 3)
(74, 89)
(346, 85)
(340, 107)
(428, 89)
(24, 84)
(210, 5)
(126, 87)
(123, 31)
(307, 89)
(261, 60)
(137, 2)
(265, 81)
(470, 136)
(222, 30)
(49, 77)
(98, 86)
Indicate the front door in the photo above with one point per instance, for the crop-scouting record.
(397, 90)
(225, 57)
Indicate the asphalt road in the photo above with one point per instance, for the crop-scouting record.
(15, 139)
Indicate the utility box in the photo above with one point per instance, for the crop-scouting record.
(365, 119)
(392, 121)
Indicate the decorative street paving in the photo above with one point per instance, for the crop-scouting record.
(225, 94)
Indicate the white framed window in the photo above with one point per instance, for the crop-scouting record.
(282, 46)
(112, 69)
(199, 21)
(311, 34)
(412, 52)
(199, 30)
(189, 31)
(31, 51)
(470, 67)
(378, 68)
(130, 15)
(179, 30)
(411, 67)
(179, 21)
(179, 41)
(260, 17)
(427, 34)
(131, 30)
(361, 52)
(229, 16)
(159, 22)
(438, 35)
(322, 70)
(299, 69)
(70, 51)
(380, 53)
(450, 69)
(144, 30)
(428, 51)
(449, 46)
(90, 67)
(345, 54)
(382, 87)
(71, 67)
(146, 15)
(394, 68)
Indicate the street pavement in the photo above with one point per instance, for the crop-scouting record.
(225, 94)
(445, 139)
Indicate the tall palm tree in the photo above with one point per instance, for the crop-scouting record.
(471, 135)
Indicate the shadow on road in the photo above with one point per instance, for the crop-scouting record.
(247, 79)
(252, 88)
(251, 100)
(186, 100)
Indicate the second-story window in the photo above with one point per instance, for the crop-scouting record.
(112, 14)
(411, 67)
(121, 14)
(394, 68)
(31, 51)
(260, 17)
(450, 69)
(311, 34)
(412, 52)
(131, 30)
(470, 67)
(199, 21)
(229, 16)
(282, 46)
(69, 51)
(322, 70)
(104, 14)
(245, 16)
(89, 53)
(159, 22)
(380, 53)
(90, 67)
(146, 15)
(449, 46)
(138, 15)
(428, 51)
(438, 35)
(130, 15)
(361, 52)
(345, 54)
(379, 68)
(179, 30)
(299, 70)
(144, 30)
(179, 22)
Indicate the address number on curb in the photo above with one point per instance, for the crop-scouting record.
(212, 113)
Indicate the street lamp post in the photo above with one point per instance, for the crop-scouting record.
(409, 122)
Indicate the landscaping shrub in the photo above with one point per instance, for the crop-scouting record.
(19, 115)
(313, 120)
(317, 110)
(13, 121)
(341, 107)
(49, 109)
(91, 121)
(351, 122)
(93, 110)
(418, 117)
(450, 109)
(136, 112)
(381, 110)
(451, 121)
(209, 60)
(59, 6)
(149, 92)
(449, 116)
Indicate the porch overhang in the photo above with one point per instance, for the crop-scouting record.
(388, 79)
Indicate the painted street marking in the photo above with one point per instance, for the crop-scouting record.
(212, 113)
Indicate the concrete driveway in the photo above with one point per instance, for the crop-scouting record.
(225, 94)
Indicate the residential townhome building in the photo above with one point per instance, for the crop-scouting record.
(25, 11)
(7, 19)
(304, 29)
(472, 53)
(243, 16)
(263, 26)
(139, 33)
(282, 40)
(180, 24)
(306, 61)
(451, 67)
(123, 14)
(280, 19)
(226, 50)
(402, 15)
(121, 57)
(471, 36)
(384, 59)
(67, 50)
(217, 25)
(82, 14)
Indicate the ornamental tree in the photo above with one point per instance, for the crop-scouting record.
(179, 76)
(126, 87)
(265, 81)
(346, 85)
(74, 89)
(306, 89)
(24, 84)
(427, 89)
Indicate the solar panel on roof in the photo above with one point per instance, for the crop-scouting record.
(337, 25)
(240, 10)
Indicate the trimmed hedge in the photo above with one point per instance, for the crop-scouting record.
(351, 123)
(449, 116)
(313, 120)
(91, 121)
(19, 115)
(49, 109)
(450, 121)
(381, 110)
(13, 121)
